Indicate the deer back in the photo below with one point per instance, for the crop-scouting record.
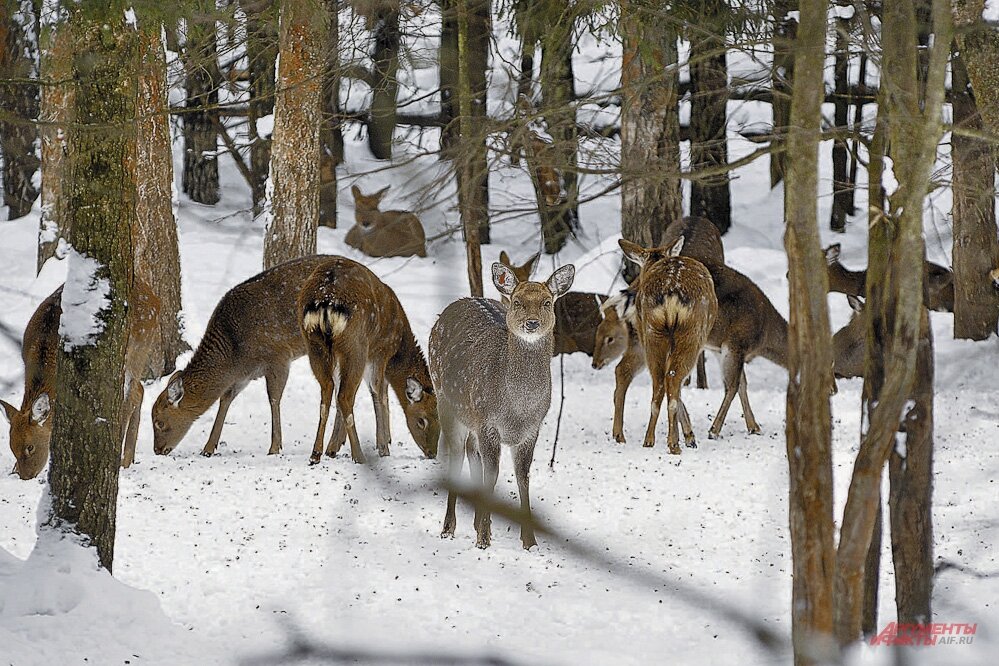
(701, 239)
(747, 321)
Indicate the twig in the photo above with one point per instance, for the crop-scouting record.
(561, 404)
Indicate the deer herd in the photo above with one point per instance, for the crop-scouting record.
(488, 382)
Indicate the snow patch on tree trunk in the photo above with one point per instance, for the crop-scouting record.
(85, 298)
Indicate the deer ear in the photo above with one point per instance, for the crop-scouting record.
(8, 410)
(832, 253)
(561, 280)
(381, 193)
(504, 258)
(504, 279)
(414, 390)
(856, 303)
(356, 191)
(175, 391)
(40, 409)
(532, 263)
(633, 251)
(677, 247)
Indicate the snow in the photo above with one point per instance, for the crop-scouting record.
(991, 11)
(84, 299)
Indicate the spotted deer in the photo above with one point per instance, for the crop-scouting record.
(675, 306)
(577, 314)
(939, 284)
(390, 233)
(491, 367)
(31, 425)
(354, 327)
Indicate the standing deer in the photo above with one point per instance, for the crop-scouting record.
(547, 178)
(390, 233)
(676, 306)
(939, 284)
(31, 426)
(354, 326)
(850, 342)
(577, 314)
(491, 366)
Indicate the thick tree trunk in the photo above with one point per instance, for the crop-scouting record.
(467, 175)
(473, 141)
(872, 577)
(261, 54)
(448, 72)
(294, 176)
(842, 188)
(330, 135)
(86, 435)
(709, 197)
(200, 180)
(651, 197)
(19, 101)
(384, 22)
(975, 248)
(781, 81)
(57, 103)
(809, 425)
(157, 257)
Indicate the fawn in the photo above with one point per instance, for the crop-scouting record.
(31, 426)
(390, 233)
(676, 306)
(354, 325)
(491, 367)
(939, 283)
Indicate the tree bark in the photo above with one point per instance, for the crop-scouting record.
(200, 180)
(19, 100)
(872, 576)
(86, 436)
(330, 135)
(261, 55)
(781, 81)
(651, 196)
(809, 426)
(157, 256)
(473, 140)
(56, 64)
(975, 250)
(448, 67)
(293, 212)
(384, 22)
(709, 196)
(468, 176)
(841, 205)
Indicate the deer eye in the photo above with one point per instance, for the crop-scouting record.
(518, 304)
(422, 423)
(610, 339)
(548, 304)
(29, 449)
(158, 425)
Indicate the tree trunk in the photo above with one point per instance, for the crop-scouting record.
(384, 22)
(709, 197)
(467, 176)
(19, 101)
(290, 231)
(841, 206)
(872, 576)
(330, 135)
(448, 67)
(473, 140)
(57, 103)
(157, 257)
(894, 291)
(86, 431)
(976, 248)
(808, 427)
(781, 81)
(651, 197)
(261, 54)
(200, 180)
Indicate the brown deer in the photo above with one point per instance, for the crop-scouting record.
(491, 366)
(354, 326)
(850, 342)
(31, 426)
(390, 233)
(676, 306)
(548, 180)
(939, 285)
(577, 314)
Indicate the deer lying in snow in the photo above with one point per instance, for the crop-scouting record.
(675, 305)
(577, 314)
(939, 285)
(390, 233)
(491, 366)
(354, 326)
(31, 426)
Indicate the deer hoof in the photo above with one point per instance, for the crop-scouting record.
(692, 444)
(674, 449)
(649, 443)
(208, 453)
(755, 430)
(713, 435)
(384, 452)
(314, 459)
(529, 541)
(359, 460)
(619, 437)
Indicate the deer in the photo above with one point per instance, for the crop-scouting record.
(939, 294)
(850, 342)
(390, 233)
(31, 425)
(491, 368)
(675, 308)
(577, 314)
(354, 326)
(548, 180)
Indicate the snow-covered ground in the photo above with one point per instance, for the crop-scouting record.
(240, 547)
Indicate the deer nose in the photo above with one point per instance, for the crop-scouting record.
(532, 325)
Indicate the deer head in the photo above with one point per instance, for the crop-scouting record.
(531, 314)
(30, 432)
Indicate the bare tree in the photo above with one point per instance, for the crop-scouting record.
(382, 18)
(19, 99)
(261, 56)
(330, 133)
(781, 80)
(842, 187)
(202, 80)
(469, 175)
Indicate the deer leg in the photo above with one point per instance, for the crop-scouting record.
(523, 455)
(379, 397)
(450, 436)
(489, 450)
(351, 374)
(474, 468)
(338, 437)
(133, 411)
(325, 398)
(624, 373)
(688, 431)
(276, 380)
(702, 371)
(732, 369)
(213, 438)
(672, 408)
(747, 411)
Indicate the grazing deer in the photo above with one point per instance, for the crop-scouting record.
(939, 285)
(676, 307)
(390, 233)
(252, 333)
(354, 326)
(577, 314)
(850, 342)
(491, 366)
(31, 426)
